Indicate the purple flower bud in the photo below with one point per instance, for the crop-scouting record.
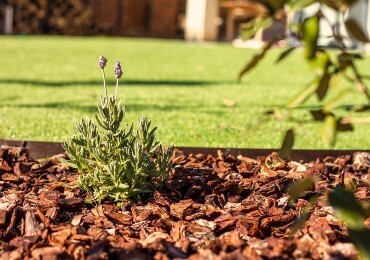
(102, 61)
(117, 70)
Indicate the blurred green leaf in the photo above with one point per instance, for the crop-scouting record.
(328, 129)
(285, 54)
(302, 96)
(334, 101)
(354, 29)
(255, 60)
(273, 5)
(336, 80)
(277, 4)
(323, 87)
(359, 108)
(310, 34)
(361, 239)
(249, 29)
(287, 145)
(297, 5)
(320, 63)
(299, 223)
(298, 188)
(347, 208)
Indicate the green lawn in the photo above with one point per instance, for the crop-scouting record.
(185, 89)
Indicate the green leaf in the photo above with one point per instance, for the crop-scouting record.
(123, 186)
(354, 29)
(347, 208)
(361, 239)
(336, 80)
(249, 29)
(276, 4)
(285, 54)
(328, 129)
(310, 34)
(299, 223)
(320, 64)
(302, 96)
(334, 101)
(297, 5)
(323, 87)
(255, 60)
(298, 188)
(79, 141)
(287, 145)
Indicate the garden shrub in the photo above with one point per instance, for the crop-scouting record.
(114, 161)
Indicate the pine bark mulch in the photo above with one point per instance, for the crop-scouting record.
(223, 207)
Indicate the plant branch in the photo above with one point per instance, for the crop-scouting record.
(116, 88)
(104, 83)
(360, 83)
(349, 121)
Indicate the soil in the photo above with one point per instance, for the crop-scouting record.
(222, 207)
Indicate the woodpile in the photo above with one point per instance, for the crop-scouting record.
(159, 18)
(72, 17)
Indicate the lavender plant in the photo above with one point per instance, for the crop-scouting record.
(114, 161)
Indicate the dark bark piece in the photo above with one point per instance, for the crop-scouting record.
(23, 167)
(141, 213)
(123, 218)
(70, 204)
(174, 251)
(49, 198)
(4, 168)
(47, 253)
(2, 217)
(10, 177)
(182, 208)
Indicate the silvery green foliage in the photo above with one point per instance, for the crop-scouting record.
(113, 161)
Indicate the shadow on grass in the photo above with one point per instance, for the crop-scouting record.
(353, 108)
(48, 83)
(93, 109)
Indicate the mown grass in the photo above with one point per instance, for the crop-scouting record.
(188, 90)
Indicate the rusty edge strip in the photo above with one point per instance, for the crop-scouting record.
(39, 149)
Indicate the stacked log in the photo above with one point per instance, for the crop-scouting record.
(72, 17)
(52, 16)
(30, 16)
(86, 17)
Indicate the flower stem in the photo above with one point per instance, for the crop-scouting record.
(116, 88)
(105, 87)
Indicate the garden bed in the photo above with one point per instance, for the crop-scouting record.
(220, 206)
